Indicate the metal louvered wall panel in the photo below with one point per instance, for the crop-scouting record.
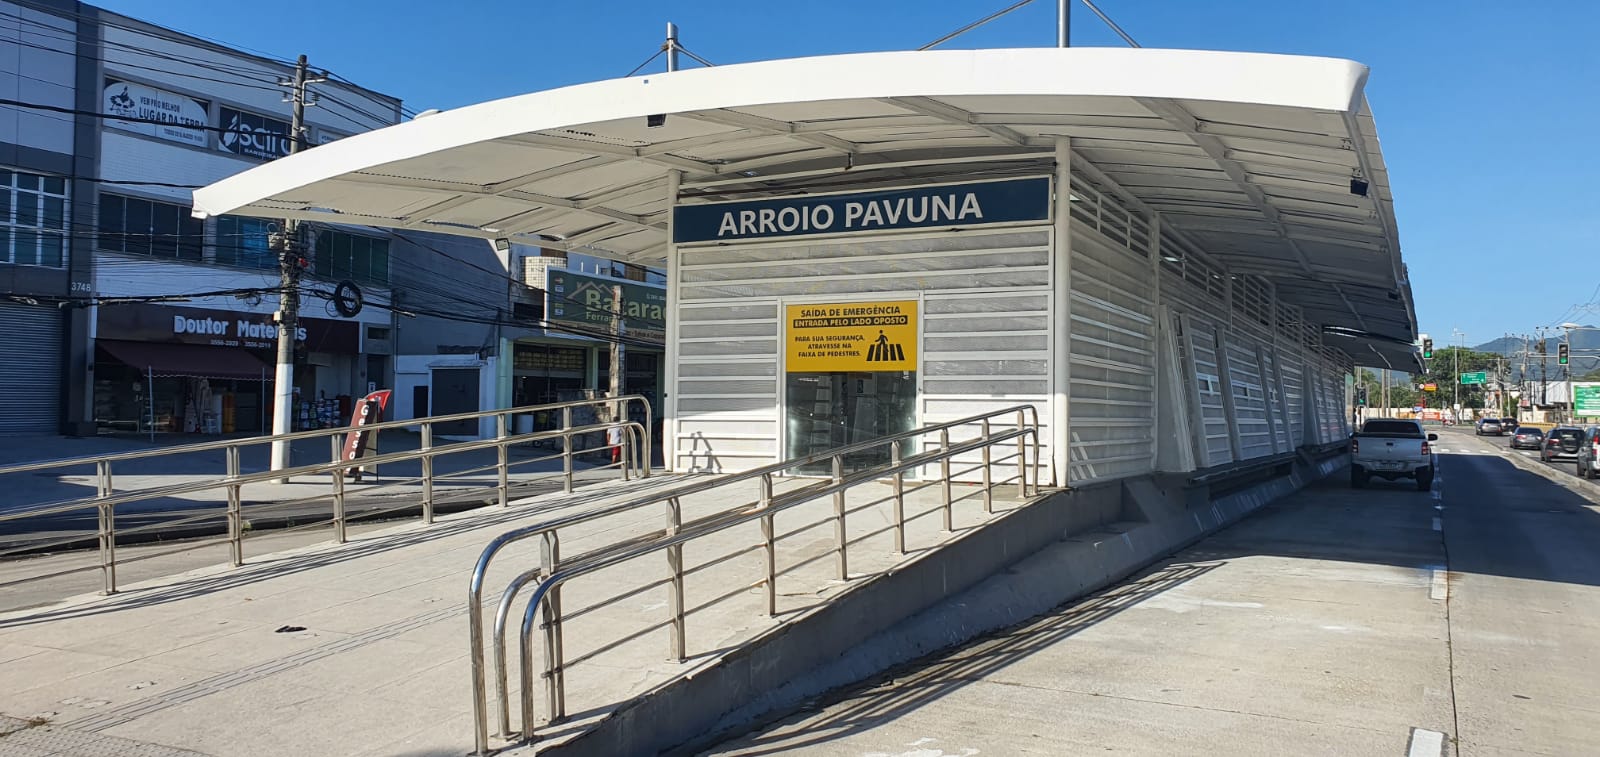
(727, 388)
(30, 373)
(984, 352)
(1112, 394)
(1249, 397)
(1208, 381)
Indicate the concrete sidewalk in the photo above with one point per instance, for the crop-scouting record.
(361, 649)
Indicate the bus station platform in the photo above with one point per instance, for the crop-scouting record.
(362, 648)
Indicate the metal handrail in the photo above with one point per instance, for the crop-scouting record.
(141, 495)
(635, 459)
(179, 449)
(674, 535)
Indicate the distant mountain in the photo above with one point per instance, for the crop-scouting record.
(1585, 352)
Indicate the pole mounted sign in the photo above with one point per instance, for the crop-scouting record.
(1586, 400)
(943, 207)
(1480, 377)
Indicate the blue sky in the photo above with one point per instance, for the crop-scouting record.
(1486, 110)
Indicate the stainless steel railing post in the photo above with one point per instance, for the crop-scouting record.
(566, 449)
(108, 529)
(338, 491)
(427, 472)
(839, 536)
(649, 431)
(988, 491)
(679, 650)
(1022, 456)
(235, 510)
(555, 677)
(503, 459)
(944, 475)
(899, 500)
(768, 541)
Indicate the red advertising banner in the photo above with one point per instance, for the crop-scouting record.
(369, 410)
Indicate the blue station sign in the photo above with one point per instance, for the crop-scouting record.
(946, 206)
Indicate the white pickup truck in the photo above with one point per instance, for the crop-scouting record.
(1392, 449)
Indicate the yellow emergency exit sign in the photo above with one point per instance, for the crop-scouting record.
(851, 336)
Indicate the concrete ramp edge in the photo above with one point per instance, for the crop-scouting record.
(1016, 567)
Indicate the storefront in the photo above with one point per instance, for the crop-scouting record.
(192, 370)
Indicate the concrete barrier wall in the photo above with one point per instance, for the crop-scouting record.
(1014, 568)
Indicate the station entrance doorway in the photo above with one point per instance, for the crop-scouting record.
(828, 410)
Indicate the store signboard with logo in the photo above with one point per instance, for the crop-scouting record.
(220, 328)
(254, 136)
(586, 301)
(851, 336)
(181, 118)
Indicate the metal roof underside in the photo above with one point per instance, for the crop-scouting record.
(1249, 156)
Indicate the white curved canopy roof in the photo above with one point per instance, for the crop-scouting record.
(1249, 156)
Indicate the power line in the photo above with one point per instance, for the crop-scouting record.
(158, 32)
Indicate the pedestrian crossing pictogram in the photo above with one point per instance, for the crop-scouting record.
(882, 351)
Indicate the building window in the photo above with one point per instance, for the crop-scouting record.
(243, 242)
(33, 219)
(147, 227)
(377, 333)
(350, 256)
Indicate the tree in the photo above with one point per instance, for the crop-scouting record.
(1442, 370)
(1401, 392)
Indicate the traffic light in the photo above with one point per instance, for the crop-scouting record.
(1563, 353)
(1361, 396)
(1427, 349)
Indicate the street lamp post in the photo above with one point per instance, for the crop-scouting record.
(1461, 338)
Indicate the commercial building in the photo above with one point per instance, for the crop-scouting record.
(120, 311)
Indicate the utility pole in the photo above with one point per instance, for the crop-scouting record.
(290, 265)
(616, 352)
(1063, 23)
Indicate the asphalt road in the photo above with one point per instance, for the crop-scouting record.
(1386, 621)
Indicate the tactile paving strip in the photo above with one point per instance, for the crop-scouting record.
(118, 715)
(22, 738)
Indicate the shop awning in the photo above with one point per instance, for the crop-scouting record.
(191, 360)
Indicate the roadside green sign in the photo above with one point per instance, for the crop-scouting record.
(1586, 400)
(1481, 377)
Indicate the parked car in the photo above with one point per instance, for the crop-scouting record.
(1390, 450)
(1527, 437)
(1489, 427)
(1589, 452)
(1561, 443)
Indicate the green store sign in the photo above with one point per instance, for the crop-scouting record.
(586, 301)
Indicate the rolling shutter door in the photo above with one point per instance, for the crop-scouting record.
(30, 373)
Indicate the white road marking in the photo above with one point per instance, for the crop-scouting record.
(1437, 495)
(1425, 743)
(1438, 524)
(1440, 587)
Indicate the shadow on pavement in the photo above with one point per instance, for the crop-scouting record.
(915, 684)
